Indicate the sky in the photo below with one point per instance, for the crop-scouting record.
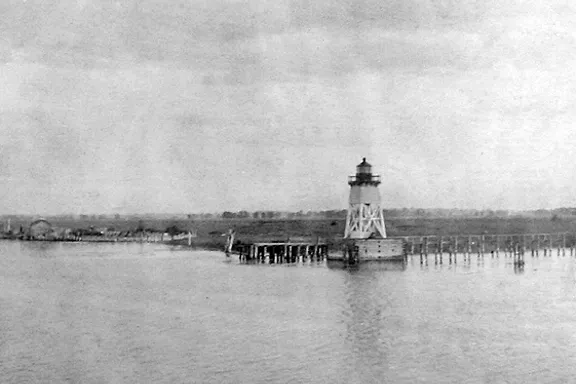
(204, 106)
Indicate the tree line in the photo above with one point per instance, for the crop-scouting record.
(556, 213)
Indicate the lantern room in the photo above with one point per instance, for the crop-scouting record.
(364, 168)
(364, 175)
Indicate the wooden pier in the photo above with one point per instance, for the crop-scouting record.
(515, 246)
(444, 248)
(281, 252)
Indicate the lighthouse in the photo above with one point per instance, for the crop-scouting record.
(365, 234)
(365, 218)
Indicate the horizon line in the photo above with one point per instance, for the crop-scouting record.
(277, 211)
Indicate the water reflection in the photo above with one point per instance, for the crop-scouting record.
(40, 249)
(409, 306)
(363, 316)
(367, 313)
(388, 265)
(467, 262)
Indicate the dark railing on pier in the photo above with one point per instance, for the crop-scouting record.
(281, 252)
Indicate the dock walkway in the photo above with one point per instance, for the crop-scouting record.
(486, 243)
(513, 245)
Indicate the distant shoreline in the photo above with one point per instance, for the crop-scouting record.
(208, 246)
(211, 234)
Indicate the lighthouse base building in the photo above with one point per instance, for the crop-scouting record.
(365, 234)
(372, 250)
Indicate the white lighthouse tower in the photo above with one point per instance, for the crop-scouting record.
(365, 234)
(365, 218)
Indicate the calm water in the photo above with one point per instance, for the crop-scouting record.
(131, 313)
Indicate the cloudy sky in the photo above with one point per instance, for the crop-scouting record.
(210, 105)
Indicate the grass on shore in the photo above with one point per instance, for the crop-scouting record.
(331, 230)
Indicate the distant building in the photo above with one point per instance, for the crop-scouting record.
(40, 229)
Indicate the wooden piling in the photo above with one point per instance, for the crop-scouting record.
(478, 246)
(456, 245)
(439, 245)
(523, 245)
(441, 248)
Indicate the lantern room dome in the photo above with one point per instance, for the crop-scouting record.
(364, 167)
(364, 163)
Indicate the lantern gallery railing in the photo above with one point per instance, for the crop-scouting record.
(360, 178)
